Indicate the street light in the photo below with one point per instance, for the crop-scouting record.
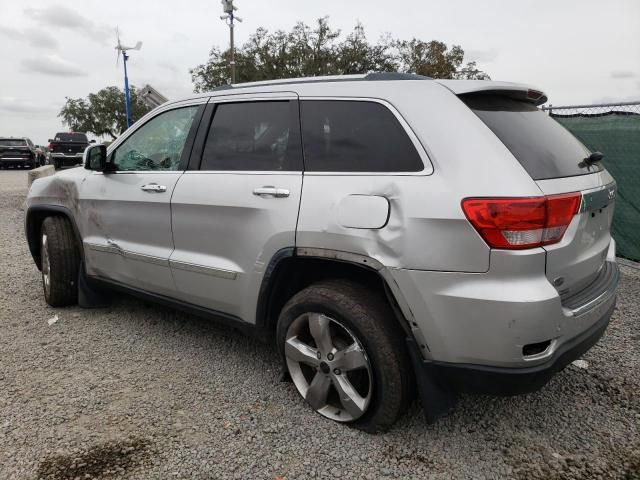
(229, 16)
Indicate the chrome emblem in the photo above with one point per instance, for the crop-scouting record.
(611, 193)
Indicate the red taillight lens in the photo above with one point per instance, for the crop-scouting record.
(517, 223)
(50, 147)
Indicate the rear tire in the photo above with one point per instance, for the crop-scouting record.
(329, 318)
(60, 262)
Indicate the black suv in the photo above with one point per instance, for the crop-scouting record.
(17, 152)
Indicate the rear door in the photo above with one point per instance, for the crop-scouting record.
(237, 206)
(555, 160)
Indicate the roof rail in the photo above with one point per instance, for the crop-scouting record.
(395, 76)
(375, 76)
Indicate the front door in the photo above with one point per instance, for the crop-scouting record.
(234, 212)
(125, 215)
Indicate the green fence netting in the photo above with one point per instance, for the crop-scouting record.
(616, 133)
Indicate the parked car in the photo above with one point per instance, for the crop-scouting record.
(388, 232)
(66, 149)
(17, 152)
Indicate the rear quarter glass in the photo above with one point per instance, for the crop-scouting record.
(543, 147)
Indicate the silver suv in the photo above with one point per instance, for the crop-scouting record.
(389, 233)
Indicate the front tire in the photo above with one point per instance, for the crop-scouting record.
(60, 262)
(345, 354)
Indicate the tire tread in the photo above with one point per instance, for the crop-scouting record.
(64, 261)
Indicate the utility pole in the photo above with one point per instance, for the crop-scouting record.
(229, 16)
(122, 50)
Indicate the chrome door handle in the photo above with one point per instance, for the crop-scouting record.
(269, 191)
(153, 187)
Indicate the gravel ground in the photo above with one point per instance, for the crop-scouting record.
(140, 391)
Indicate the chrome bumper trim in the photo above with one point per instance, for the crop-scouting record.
(214, 272)
(603, 296)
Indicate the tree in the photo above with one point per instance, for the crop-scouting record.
(318, 50)
(102, 113)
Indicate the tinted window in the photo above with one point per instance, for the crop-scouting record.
(158, 144)
(11, 142)
(71, 137)
(253, 136)
(355, 136)
(542, 146)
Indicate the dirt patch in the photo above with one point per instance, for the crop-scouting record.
(99, 461)
(613, 464)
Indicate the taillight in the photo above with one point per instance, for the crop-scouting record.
(517, 223)
(50, 146)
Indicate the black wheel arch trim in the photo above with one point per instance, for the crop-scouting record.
(271, 279)
(32, 227)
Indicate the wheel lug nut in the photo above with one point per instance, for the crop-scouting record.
(319, 355)
(330, 357)
(337, 371)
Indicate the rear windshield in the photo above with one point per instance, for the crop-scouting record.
(542, 146)
(71, 137)
(12, 142)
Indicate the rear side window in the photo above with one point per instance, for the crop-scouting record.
(542, 146)
(355, 136)
(71, 137)
(254, 136)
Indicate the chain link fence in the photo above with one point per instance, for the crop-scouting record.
(614, 130)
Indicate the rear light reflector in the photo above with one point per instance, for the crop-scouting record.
(518, 223)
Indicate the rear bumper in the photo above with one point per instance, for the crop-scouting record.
(514, 381)
(511, 316)
(17, 161)
(65, 160)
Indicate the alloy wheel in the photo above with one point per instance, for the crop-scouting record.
(329, 367)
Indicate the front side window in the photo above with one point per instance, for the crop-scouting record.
(255, 136)
(158, 144)
(355, 136)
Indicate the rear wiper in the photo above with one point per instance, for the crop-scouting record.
(595, 157)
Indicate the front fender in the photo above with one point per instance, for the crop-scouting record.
(55, 195)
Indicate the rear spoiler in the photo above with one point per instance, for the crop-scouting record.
(512, 90)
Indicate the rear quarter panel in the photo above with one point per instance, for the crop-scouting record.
(427, 229)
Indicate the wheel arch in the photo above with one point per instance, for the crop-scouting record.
(34, 217)
(292, 269)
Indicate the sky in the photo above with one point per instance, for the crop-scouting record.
(577, 51)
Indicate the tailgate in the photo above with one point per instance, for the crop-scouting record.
(577, 260)
(15, 152)
(68, 148)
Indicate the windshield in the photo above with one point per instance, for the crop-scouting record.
(71, 137)
(542, 146)
(12, 142)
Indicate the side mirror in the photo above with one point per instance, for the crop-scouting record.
(95, 158)
(92, 141)
(50, 140)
